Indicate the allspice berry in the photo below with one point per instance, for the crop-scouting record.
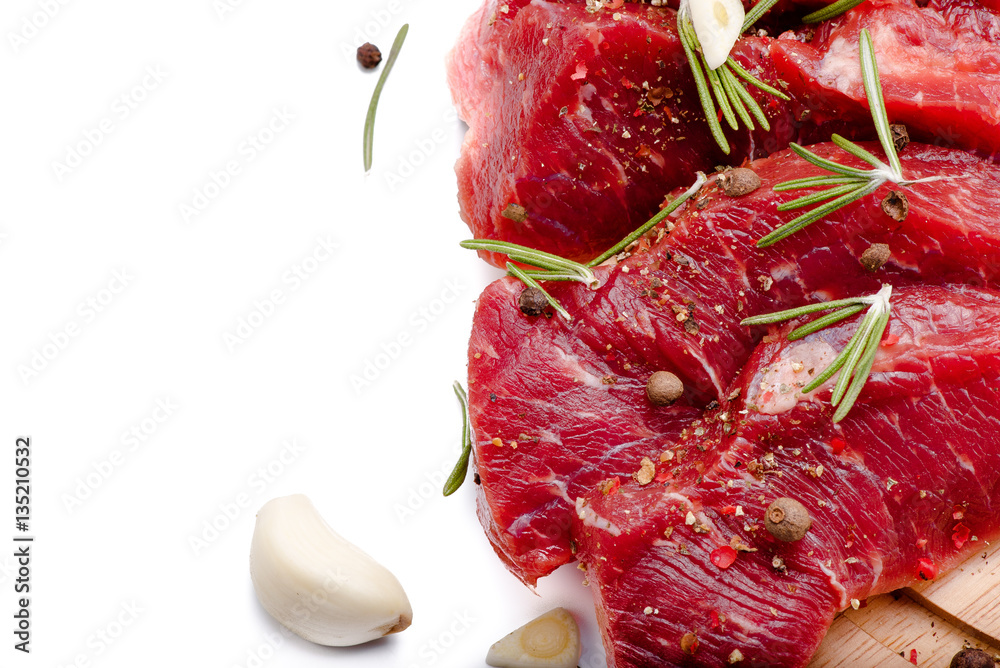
(664, 388)
(972, 658)
(875, 256)
(532, 301)
(369, 56)
(900, 137)
(787, 520)
(896, 206)
(738, 182)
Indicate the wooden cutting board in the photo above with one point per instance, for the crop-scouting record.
(958, 609)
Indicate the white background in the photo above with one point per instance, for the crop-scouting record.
(114, 517)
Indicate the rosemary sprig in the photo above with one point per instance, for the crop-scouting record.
(369, 134)
(845, 184)
(732, 97)
(855, 361)
(565, 269)
(831, 11)
(461, 469)
(555, 268)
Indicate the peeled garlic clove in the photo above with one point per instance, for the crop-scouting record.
(549, 641)
(316, 583)
(718, 24)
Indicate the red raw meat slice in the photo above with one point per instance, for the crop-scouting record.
(578, 388)
(939, 66)
(585, 121)
(923, 438)
(552, 418)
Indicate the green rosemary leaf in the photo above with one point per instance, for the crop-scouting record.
(813, 215)
(815, 181)
(739, 97)
(517, 273)
(828, 372)
(825, 321)
(747, 98)
(700, 83)
(552, 275)
(555, 268)
(535, 258)
(873, 89)
(854, 362)
(828, 165)
(754, 81)
(651, 223)
(860, 344)
(461, 470)
(792, 313)
(858, 152)
(368, 138)
(732, 98)
(864, 368)
(756, 12)
(821, 196)
(853, 183)
(831, 11)
(847, 359)
(722, 97)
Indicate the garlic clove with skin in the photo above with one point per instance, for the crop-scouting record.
(549, 641)
(316, 583)
(718, 24)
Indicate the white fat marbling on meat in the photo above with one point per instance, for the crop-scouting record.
(780, 384)
(582, 110)
(590, 518)
(699, 354)
(877, 566)
(787, 270)
(572, 368)
(835, 584)
(841, 68)
(840, 65)
(657, 159)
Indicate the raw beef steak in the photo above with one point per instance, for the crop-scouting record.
(571, 396)
(581, 122)
(907, 485)
(939, 65)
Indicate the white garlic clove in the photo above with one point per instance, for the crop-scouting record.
(718, 24)
(316, 583)
(549, 641)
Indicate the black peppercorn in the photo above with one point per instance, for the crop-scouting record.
(532, 301)
(787, 520)
(369, 56)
